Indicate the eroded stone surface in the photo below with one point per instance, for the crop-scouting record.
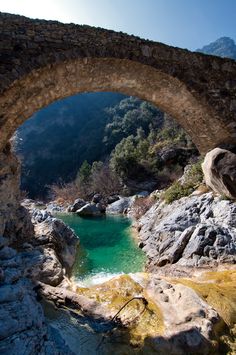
(193, 231)
(176, 319)
(22, 323)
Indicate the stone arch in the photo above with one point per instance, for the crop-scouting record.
(56, 81)
(42, 61)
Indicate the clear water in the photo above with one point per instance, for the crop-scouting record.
(107, 248)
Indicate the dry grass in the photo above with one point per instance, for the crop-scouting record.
(141, 206)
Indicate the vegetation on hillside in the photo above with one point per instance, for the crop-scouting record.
(130, 140)
(192, 179)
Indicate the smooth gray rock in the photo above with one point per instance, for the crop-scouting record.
(121, 206)
(113, 198)
(90, 209)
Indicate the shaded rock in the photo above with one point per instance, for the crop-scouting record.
(22, 324)
(97, 198)
(7, 253)
(49, 269)
(121, 206)
(111, 199)
(78, 203)
(56, 234)
(90, 209)
(219, 168)
(142, 194)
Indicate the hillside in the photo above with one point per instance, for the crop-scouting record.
(56, 140)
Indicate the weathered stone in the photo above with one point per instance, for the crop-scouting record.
(219, 169)
(190, 321)
(62, 60)
(55, 233)
(90, 209)
(78, 203)
(121, 206)
(48, 270)
(193, 231)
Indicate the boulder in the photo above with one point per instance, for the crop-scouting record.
(78, 203)
(54, 232)
(48, 269)
(190, 322)
(121, 206)
(38, 216)
(97, 198)
(113, 198)
(219, 168)
(90, 209)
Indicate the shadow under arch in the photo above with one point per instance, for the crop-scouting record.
(43, 86)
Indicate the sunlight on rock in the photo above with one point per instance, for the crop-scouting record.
(141, 321)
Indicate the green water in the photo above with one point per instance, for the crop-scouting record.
(106, 248)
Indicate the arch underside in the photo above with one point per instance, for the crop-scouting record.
(56, 81)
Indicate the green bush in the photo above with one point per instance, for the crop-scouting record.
(193, 179)
(194, 176)
(176, 191)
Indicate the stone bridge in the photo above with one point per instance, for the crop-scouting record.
(43, 61)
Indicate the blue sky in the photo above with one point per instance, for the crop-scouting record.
(182, 23)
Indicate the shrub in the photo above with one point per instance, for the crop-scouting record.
(65, 192)
(192, 179)
(98, 178)
(194, 176)
(176, 191)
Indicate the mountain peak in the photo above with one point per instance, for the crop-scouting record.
(222, 47)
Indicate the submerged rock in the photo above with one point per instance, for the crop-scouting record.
(193, 231)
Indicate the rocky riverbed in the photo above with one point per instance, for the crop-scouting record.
(195, 231)
(178, 306)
